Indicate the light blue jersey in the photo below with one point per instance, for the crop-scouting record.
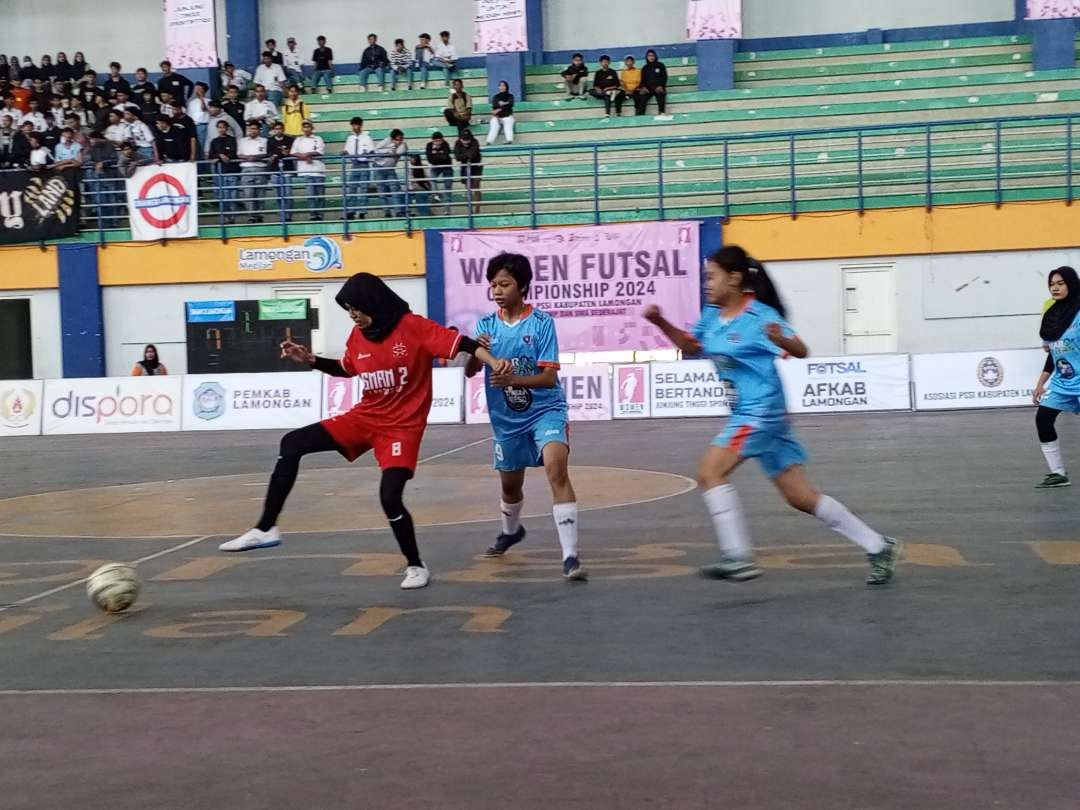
(1066, 354)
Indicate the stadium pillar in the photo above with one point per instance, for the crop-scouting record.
(435, 275)
(82, 320)
(716, 64)
(534, 18)
(710, 240)
(1053, 44)
(242, 32)
(509, 68)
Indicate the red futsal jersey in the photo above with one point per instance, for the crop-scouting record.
(395, 384)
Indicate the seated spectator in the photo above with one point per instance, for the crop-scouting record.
(385, 161)
(179, 86)
(308, 150)
(374, 60)
(42, 93)
(276, 56)
(502, 115)
(233, 107)
(261, 109)
(459, 107)
(323, 57)
(78, 66)
(99, 113)
(142, 84)
(7, 136)
(232, 77)
(172, 145)
(130, 160)
(605, 86)
(149, 108)
(357, 154)
(400, 64)
(440, 159)
(150, 365)
(6, 73)
(20, 145)
(40, 156)
(139, 134)
(198, 110)
(222, 151)
(115, 83)
(80, 132)
(576, 76)
(10, 109)
(294, 112)
(56, 108)
(467, 153)
(28, 72)
(64, 69)
(294, 69)
(423, 53)
(21, 96)
(46, 69)
(253, 156)
(282, 164)
(36, 117)
(69, 154)
(446, 56)
(653, 84)
(271, 76)
(218, 114)
(630, 78)
(117, 131)
(124, 102)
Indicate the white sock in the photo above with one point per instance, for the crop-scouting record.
(1052, 452)
(837, 517)
(566, 524)
(511, 515)
(732, 533)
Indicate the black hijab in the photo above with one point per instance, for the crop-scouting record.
(371, 295)
(1061, 315)
(150, 366)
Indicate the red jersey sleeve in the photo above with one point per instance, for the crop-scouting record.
(435, 338)
(346, 358)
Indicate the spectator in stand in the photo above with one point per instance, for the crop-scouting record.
(387, 154)
(63, 68)
(7, 136)
(6, 73)
(253, 155)
(115, 83)
(72, 122)
(400, 64)
(218, 114)
(419, 186)
(653, 84)
(276, 56)
(117, 131)
(374, 60)
(198, 110)
(323, 59)
(47, 70)
(78, 66)
(139, 134)
(308, 150)
(99, 176)
(423, 53)
(222, 150)
(28, 72)
(142, 84)
(446, 56)
(40, 156)
(233, 107)
(282, 164)
(172, 146)
(20, 145)
(150, 365)
(124, 102)
(605, 86)
(36, 117)
(261, 109)
(191, 134)
(467, 153)
(294, 112)
(149, 108)
(9, 108)
(459, 107)
(42, 94)
(357, 154)
(100, 112)
(440, 159)
(576, 77)
(232, 77)
(630, 79)
(69, 154)
(51, 137)
(22, 98)
(502, 115)
(294, 68)
(130, 160)
(180, 86)
(271, 76)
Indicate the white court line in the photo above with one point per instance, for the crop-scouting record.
(406, 687)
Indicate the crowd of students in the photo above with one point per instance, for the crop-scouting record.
(634, 83)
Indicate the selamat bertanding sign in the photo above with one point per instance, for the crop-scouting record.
(873, 382)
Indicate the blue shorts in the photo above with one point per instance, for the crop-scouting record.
(770, 441)
(526, 449)
(1061, 402)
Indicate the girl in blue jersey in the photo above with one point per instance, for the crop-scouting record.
(743, 330)
(527, 408)
(1060, 332)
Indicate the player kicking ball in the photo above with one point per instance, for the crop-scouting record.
(391, 350)
(527, 407)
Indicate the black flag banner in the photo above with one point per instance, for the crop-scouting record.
(36, 206)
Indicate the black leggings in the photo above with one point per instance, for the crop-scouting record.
(315, 439)
(1044, 424)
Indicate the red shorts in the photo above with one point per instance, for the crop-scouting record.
(394, 447)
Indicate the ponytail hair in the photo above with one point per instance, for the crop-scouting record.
(755, 279)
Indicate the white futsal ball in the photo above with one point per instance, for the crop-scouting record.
(114, 587)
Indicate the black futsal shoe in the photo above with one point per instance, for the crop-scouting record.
(573, 571)
(504, 542)
(736, 570)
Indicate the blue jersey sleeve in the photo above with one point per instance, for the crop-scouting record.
(772, 316)
(485, 326)
(547, 345)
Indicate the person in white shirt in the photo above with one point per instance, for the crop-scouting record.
(261, 109)
(271, 76)
(446, 56)
(294, 71)
(117, 131)
(251, 150)
(139, 133)
(231, 76)
(309, 150)
(36, 117)
(10, 109)
(358, 149)
(198, 110)
(40, 156)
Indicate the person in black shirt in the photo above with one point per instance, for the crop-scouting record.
(116, 83)
(276, 56)
(180, 86)
(653, 83)
(222, 150)
(47, 70)
(279, 147)
(142, 84)
(467, 152)
(78, 66)
(64, 69)
(20, 145)
(100, 180)
(41, 94)
(606, 87)
(502, 115)
(233, 106)
(51, 136)
(323, 58)
(373, 60)
(576, 76)
(442, 169)
(29, 70)
(172, 146)
(187, 126)
(149, 108)
(89, 90)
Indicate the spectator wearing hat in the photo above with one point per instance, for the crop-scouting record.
(606, 87)
(323, 59)
(373, 60)
(502, 115)
(446, 56)
(271, 76)
(400, 64)
(467, 153)
(357, 155)
(290, 61)
(458, 111)
(308, 150)
(440, 159)
(423, 53)
(179, 86)
(576, 76)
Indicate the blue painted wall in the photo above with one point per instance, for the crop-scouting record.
(82, 320)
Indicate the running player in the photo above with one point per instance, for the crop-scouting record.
(527, 407)
(391, 350)
(1061, 339)
(742, 331)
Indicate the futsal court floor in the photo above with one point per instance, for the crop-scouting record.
(303, 677)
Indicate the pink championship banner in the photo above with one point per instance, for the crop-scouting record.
(190, 35)
(594, 280)
(500, 26)
(713, 19)
(1052, 9)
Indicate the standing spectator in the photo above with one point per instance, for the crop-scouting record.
(170, 141)
(358, 150)
(142, 84)
(276, 56)
(40, 156)
(115, 83)
(79, 111)
(653, 83)
(261, 109)
(149, 108)
(576, 76)
(233, 107)
(198, 110)
(68, 152)
(419, 186)
(459, 107)
(605, 86)
(100, 112)
(446, 56)
(400, 64)
(9, 108)
(308, 150)
(218, 114)
(36, 117)
(252, 153)
(271, 76)
(20, 145)
(294, 112)
(51, 137)
(139, 134)
(442, 169)
(231, 77)
(387, 154)
(99, 176)
(129, 161)
(630, 77)
(323, 57)
(374, 60)
(423, 53)
(502, 115)
(7, 136)
(117, 131)
(183, 121)
(180, 86)
(222, 150)
(79, 132)
(294, 70)
(149, 365)
(282, 164)
(467, 153)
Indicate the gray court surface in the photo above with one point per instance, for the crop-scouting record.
(303, 676)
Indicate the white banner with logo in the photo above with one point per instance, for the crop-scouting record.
(631, 384)
(447, 386)
(686, 388)
(163, 202)
(252, 401)
(713, 19)
(873, 382)
(190, 38)
(976, 379)
(20, 407)
(339, 395)
(588, 392)
(111, 405)
(500, 26)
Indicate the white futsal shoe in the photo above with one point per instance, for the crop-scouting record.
(252, 539)
(416, 576)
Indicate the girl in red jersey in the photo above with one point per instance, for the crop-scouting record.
(391, 350)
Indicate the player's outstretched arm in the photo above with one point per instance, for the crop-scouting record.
(682, 340)
(475, 364)
(547, 378)
(789, 343)
(478, 352)
(302, 354)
